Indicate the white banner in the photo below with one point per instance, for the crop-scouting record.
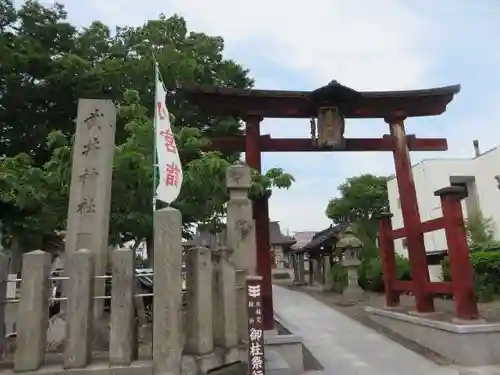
(168, 160)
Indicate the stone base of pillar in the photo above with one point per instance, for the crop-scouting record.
(353, 295)
(353, 292)
(270, 332)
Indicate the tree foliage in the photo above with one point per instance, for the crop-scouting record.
(360, 198)
(481, 233)
(47, 64)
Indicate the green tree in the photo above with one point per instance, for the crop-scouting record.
(360, 198)
(481, 233)
(47, 64)
(40, 192)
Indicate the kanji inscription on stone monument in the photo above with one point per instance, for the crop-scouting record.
(256, 365)
(86, 206)
(88, 173)
(90, 190)
(92, 120)
(92, 144)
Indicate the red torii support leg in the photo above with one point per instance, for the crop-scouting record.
(388, 259)
(411, 218)
(261, 217)
(462, 274)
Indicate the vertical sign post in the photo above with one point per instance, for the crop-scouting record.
(256, 360)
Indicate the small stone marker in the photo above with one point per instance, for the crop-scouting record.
(255, 326)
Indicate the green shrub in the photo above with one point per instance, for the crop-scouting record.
(486, 265)
(338, 278)
(371, 276)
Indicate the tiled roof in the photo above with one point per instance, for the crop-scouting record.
(325, 235)
(302, 238)
(276, 237)
(210, 240)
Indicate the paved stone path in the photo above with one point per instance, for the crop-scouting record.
(344, 346)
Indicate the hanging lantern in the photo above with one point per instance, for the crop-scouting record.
(331, 126)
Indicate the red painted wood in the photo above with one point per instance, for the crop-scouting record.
(403, 286)
(440, 288)
(434, 288)
(411, 218)
(297, 104)
(268, 144)
(251, 143)
(462, 274)
(388, 259)
(261, 217)
(425, 227)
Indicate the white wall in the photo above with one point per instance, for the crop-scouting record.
(433, 174)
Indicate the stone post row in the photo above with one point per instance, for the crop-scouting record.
(33, 310)
(224, 284)
(122, 336)
(199, 320)
(167, 303)
(33, 313)
(79, 314)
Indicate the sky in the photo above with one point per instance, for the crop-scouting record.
(363, 44)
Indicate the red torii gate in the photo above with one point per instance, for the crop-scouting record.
(334, 102)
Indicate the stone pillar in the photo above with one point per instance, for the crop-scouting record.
(90, 189)
(328, 285)
(317, 270)
(78, 343)
(167, 301)
(33, 313)
(199, 319)
(353, 292)
(301, 268)
(295, 265)
(322, 270)
(311, 271)
(122, 348)
(225, 321)
(241, 236)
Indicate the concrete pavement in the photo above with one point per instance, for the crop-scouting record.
(344, 346)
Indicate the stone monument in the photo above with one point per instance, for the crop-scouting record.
(90, 189)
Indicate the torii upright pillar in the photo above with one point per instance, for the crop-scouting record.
(261, 217)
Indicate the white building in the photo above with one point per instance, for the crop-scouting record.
(479, 175)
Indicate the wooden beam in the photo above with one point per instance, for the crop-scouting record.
(425, 227)
(268, 144)
(300, 104)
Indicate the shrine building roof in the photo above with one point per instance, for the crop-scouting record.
(277, 237)
(322, 238)
(305, 104)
